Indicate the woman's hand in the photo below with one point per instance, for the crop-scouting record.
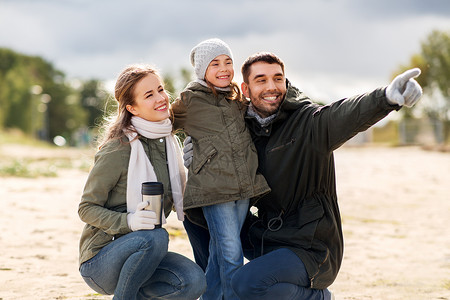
(141, 219)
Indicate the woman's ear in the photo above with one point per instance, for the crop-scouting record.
(131, 109)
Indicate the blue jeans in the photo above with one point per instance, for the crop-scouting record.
(279, 274)
(138, 266)
(225, 252)
(199, 240)
(198, 235)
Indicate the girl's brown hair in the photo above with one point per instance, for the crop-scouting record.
(235, 93)
(124, 94)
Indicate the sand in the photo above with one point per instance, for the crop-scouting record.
(395, 206)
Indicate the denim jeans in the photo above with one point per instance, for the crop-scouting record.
(225, 252)
(138, 266)
(279, 274)
(199, 240)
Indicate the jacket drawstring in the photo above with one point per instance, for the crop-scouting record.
(272, 226)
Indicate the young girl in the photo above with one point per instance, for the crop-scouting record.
(121, 252)
(222, 176)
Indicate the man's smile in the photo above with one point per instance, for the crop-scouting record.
(272, 98)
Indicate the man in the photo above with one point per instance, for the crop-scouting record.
(294, 242)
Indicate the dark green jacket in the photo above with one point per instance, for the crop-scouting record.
(103, 205)
(296, 158)
(225, 162)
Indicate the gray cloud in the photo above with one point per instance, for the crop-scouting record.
(361, 41)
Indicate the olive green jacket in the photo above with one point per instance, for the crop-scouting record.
(103, 205)
(225, 162)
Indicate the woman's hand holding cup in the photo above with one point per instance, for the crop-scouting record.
(142, 219)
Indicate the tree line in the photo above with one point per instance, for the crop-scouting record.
(434, 61)
(41, 101)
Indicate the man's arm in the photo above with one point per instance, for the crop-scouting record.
(336, 123)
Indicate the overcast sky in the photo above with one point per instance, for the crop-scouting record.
(332, 48)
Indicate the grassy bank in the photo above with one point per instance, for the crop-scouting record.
(25, 156)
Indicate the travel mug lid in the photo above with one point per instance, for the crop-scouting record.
(152, 188)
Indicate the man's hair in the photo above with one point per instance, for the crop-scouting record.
(266, 57)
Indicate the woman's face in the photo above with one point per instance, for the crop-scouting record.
(220, 71)
(150, 99)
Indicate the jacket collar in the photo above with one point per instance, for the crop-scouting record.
(203, 87)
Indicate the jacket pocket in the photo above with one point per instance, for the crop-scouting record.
(308, 217)
(311, 210)
(203, 158)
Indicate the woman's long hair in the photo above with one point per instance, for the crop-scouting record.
(124, 95)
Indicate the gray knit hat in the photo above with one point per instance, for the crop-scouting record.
(205, 52)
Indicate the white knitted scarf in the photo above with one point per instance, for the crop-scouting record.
(141, 170)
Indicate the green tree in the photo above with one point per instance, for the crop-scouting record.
(436, 52)
(94, 99)
(7, 60)
(66, 113)
(175, 84)
(169, 86)
(183, 78)
(35, 98)
(186, 76)
(434, 61)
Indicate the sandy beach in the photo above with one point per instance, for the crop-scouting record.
(394, 202)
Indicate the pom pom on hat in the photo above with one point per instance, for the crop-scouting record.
(205, 52)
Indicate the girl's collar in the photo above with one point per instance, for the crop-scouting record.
(203, 83)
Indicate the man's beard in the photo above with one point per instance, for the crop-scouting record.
(263, 110)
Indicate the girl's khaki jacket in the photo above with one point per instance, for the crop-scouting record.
(225, 162)
(103, 205)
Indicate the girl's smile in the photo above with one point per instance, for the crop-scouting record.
(220, 71)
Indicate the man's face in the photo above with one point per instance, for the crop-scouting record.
(266, 87)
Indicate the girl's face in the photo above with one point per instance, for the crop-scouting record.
(220, 71)
(150, 99)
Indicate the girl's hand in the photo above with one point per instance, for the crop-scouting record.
(188, 151)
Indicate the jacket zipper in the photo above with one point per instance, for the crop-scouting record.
(281, 146)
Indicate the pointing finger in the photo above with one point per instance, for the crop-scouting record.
(407, 75)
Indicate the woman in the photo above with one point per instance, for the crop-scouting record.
(121, 251)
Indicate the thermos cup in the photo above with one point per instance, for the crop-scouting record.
(153, 193)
